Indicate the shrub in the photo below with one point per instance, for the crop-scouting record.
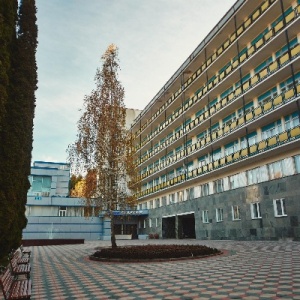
(155, 252)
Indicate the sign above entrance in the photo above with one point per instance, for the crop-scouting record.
(141, 212)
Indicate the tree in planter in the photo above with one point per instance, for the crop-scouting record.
(103, 149)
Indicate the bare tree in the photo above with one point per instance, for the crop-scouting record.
(103, 149)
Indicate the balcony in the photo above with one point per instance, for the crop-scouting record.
(283, 138)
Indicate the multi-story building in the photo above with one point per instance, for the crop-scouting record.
(218, 145)
(50, 212)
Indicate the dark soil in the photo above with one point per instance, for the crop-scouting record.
(150, 252)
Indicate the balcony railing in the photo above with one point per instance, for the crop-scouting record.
(249, 117)
(261, 146)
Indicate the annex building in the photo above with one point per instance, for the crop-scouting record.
(219, 145)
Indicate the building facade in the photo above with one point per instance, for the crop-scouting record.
(218, 145)
(50, 212)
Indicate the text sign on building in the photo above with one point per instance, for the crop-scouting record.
(130, 212)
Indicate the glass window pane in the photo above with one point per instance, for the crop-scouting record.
(278, 206)
(297, 163)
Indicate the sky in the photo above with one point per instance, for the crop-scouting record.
(154, 38)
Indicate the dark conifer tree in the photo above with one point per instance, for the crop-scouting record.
(17, 130)
(8, 19)
(8, 15)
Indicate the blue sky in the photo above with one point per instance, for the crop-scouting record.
(154, 38)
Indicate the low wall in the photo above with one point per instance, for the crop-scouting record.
(62, 228)
(48, 242)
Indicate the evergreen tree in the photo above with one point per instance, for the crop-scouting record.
(17, 127)
(8, 19)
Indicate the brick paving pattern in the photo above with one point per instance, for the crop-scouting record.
(250, 270)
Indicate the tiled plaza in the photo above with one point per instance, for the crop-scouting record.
(249, 270)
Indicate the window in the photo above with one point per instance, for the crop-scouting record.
(291, 121)
(163, 178)
(255, 210)
(205, 189)
(40, 184)
(232, 147)
(62, 212)
(218, 186)
(205, 216)
(271, 129)
(190, 166)
(144, 187)
(229, 119)
(151, 204)
(257, 175)
(252, 139)
(203, 160)
(171, 175)
(267, 96)
(171, 198)
(163, 201)
(287, 85)
(219, 214)
(279, 207)
(157, 202)
(217, 154)
(156, 222)
(297, 163)
(180, 171)
(235, 212)
(145, 223)
(180, 196)
(275, 170)
(190, 193)
(237, 180)
(150, 222)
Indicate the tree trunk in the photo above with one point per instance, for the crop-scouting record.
(113, 236)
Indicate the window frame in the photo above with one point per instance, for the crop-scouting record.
(62, 212)
(255, 210)
(219, 185)
(282, 207)
(205, 189)
(205, 219)
(219, 214)
(236, 214)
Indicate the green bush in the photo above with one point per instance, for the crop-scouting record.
(154, 252)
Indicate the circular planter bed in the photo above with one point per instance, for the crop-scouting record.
(153, 252)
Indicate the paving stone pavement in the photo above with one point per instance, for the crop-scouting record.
(250, 270)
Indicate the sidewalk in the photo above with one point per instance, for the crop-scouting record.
(250, 270)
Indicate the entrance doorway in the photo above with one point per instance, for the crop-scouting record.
(126, 229)
(186, 226)
(168, 228)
